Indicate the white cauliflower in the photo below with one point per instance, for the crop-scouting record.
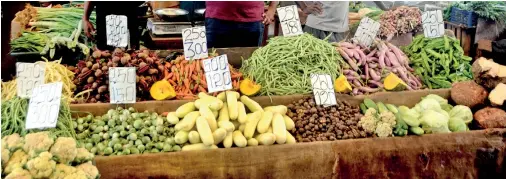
(12, 142)
(388, 117)
(383, 129)
(90, 170)
(62, 170)
(369, 120)
(83, 156)
(64, 150)
(36, 143)
(19, 173)
(41, 166)
(371, 112)
(17, 160)
(6, 154)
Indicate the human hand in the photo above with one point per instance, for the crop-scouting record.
(88, 28)
(315, 9)
(268, 17)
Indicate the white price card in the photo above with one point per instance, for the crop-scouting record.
(122, 85)
(195, 43)
(366, 31)
(117, 30)
(323, 90)
(44, 106)
(28, 76)
(433, 25)
(217, 74)
(290, 22)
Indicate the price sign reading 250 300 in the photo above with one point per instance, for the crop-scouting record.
(217, 74)
(195, 43)
(289, 18)
(323, 90)
(122, 85)
(44, 106)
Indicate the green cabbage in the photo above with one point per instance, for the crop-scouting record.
(442, 102)
(427, 104)
(457, 125)
(434, 121)
(410, 116)
(462, 112)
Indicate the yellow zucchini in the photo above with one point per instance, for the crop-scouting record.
(185, 109)
(212, 102)
(187, 122)
(265, 122)
(232, 105)
(172, 118)
(241, 127)
(227, 125)
(239, 139)
(209, 116)
(281, 109)
(219, 135)
(266, 138)
(252, 142)
(227, 142)
(251, 124)
(290, 139)
(223, 115)
(288, 122)
(253, 106)
(279, 128)
(270, 129)
(236, 124)
(241, 110)
(199, 146)
(215, 113)
(206, 135)
(222, 96)
(202, 95)
(194, 137)
(181, 137)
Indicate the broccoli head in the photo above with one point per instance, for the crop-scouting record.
(90, 170)
(83, 156)
(64, 150)
(36, 143)
(19, 173)
(12, 142)
(17, 160)
(41, 166)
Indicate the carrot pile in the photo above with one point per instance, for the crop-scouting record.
(188, 77)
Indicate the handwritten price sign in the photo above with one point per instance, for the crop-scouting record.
(323, 90)
(289, 18)
(433, 25)
(122, 85)
(195, 43)
(44, 106)
(366, 31)
(28, 76)
(117, 30)
(217, 74)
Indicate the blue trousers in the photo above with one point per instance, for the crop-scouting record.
(226, 34)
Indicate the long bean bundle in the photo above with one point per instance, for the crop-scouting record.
(284, 65)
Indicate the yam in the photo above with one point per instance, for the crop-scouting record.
(468, 93)
(488, 73)
(498, 95)
(490, 117)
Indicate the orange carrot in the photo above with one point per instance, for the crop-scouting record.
(187, 70)
(172, 82)
(186, 83)
(236, 75)
(202, 89)
(195, 78)
(164, 114)
(197, 66)
(189, 97)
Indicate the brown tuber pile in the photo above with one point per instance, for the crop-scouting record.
(318, 123)
(93, 75)
(468, 93)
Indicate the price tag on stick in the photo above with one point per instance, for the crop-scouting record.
(290, 22)
(195, 43)
(122, 85)
(28, 76)
(44, 106)
(433, 25)
(117, 30)
(217, 74)
(366, 31)
(323, 90)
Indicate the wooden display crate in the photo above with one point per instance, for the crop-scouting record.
(465, 35)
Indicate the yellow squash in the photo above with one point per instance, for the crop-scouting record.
(341, 85)
(393, 83)
(162, 90)
(249, 87)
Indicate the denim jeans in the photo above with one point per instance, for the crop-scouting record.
(225, 34)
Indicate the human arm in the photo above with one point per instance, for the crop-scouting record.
(314, 8)
(87, 25)
(381, 5)
(271, 10)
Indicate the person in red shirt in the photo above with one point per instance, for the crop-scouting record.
(237, 23)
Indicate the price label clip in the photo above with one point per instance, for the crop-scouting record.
(195, 43)
(122, 85)
(366, 31)
(433, 25)
(218, 75)
(290, 22)
(44, 106)
(323, 90)
(28, 76)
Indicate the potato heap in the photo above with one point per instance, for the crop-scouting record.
(223, 121)
(40, 155)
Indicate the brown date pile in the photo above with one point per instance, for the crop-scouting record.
(318, 123)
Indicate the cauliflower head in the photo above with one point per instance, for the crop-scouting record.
(17, 160)
(83, 156)
(6, 154)
(41, 166)
(36, 143)
(368, 122)
(64, 150)
(388, 117)
(371, 112)
(19, 173)
(12, 142)
(90, 170)
(62, 170)
(383, 129)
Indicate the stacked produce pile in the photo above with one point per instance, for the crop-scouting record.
(490, 10)
(318, 123)
(41, 155)
(283, 66)
(439, 62)
(400, 20)
(379, 69)
(486, 94)
(431, 115)
(355, 17)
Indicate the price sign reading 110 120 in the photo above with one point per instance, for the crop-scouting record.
(122, 82)
(217, 74)
(289, 18)
(195, 43)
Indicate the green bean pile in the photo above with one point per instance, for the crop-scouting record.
(15, 110)
(283, 66)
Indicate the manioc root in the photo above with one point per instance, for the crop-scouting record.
(488, 73)
(498, 95)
